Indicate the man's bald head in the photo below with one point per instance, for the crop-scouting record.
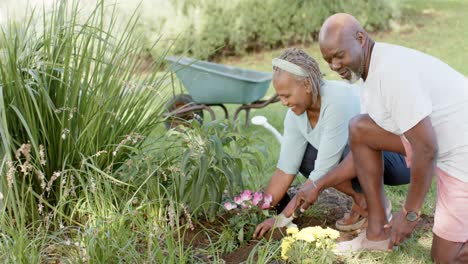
(340, 25)
(345, 46)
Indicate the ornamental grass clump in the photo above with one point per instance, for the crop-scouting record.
(72, 100)
(309, 245)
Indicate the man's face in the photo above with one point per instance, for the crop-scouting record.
(292, 92)
(344, 55)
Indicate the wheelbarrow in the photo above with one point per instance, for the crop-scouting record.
(212, 84)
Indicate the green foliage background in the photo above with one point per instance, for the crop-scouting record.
(236, 27)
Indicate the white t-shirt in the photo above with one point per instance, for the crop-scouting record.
(404, 86)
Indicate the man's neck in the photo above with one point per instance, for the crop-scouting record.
(367, 57)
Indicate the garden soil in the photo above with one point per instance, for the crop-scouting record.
(330, 207)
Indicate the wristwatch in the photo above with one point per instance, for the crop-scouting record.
(411, 215)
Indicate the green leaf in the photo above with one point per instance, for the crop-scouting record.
(240, 235)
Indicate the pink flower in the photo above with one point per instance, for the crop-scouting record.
(229, 206)
(257, 197)
(267, 201)
(246, 195)
(238, 200)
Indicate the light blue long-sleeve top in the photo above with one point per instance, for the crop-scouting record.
(339, 103)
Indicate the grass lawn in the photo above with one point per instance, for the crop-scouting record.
(435, 27)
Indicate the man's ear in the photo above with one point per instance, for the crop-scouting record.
(360, 37)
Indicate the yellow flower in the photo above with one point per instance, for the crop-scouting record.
(307, 230)
(323, 238)
(332, 233)
(318, 244)
(305, 236)
(315, 231)
(292, 230)
(285, 246)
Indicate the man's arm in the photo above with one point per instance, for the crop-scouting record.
(292, 205)
(424, 153)
(344, 171)
(308, 193)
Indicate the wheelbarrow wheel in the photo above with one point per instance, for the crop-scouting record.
(177, 102)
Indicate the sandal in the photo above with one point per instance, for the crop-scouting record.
(349, 223)
(361, 243)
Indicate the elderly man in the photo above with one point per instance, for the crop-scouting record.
(416, 105)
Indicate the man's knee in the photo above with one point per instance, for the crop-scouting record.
(358, 127)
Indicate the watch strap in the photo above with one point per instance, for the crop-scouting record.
(406, 212)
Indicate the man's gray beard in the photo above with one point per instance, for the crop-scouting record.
(357, 76)
(354, 77)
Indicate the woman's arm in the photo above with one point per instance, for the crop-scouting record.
(290, 158)
(278, 185)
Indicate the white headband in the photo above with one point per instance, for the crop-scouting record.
(289, 67)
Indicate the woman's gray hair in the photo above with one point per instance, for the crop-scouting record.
(309, 64)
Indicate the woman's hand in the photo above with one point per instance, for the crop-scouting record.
(264, 227)
(307, 196)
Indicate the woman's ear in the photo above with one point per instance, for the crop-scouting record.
(307, 87)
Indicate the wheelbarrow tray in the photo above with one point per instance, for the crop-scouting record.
(213, 83)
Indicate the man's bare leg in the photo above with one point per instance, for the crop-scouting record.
(358, 198)
(444, 251)
(346, 187)
(367, 141)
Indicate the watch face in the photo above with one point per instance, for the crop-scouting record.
(411, 216)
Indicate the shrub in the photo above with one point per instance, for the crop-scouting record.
(205, 162)
(234, 27)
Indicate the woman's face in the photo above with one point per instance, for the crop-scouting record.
(292, 92)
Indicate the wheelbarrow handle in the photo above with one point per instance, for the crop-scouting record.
(256, 105)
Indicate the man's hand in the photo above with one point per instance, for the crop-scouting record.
(401, 229)
(306, 196)
(264, 227)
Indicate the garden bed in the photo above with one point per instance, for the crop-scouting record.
(330, 207)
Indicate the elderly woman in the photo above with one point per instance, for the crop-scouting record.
(315, 141)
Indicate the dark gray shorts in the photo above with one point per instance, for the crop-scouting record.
(395, 170)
